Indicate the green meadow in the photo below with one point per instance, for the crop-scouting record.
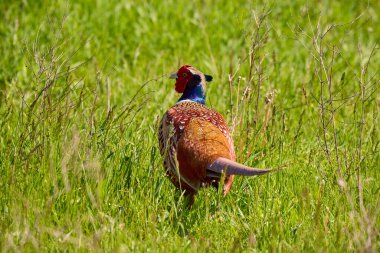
(83, 85)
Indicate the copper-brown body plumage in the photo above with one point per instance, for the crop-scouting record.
(192, 136)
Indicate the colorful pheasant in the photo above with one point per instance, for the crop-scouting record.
(195, 141)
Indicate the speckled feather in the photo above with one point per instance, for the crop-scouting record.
(191, 137)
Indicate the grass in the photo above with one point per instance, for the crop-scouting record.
(84, 83)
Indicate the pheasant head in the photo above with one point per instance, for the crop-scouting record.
(192, 83)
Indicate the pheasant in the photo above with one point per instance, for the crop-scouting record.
(195, 140)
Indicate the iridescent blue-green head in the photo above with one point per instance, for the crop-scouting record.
(192, 83)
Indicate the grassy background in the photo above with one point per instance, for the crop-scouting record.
(83, 84)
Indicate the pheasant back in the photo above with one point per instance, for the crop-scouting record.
(191, 137)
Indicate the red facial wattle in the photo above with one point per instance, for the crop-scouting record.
(183, 77)
(180, 86)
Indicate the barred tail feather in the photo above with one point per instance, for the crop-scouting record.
(223, 165)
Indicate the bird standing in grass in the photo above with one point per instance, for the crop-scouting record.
(195, 141)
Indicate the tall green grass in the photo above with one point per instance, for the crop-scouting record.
(84, 84)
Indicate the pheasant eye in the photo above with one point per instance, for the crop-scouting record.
(184, 74)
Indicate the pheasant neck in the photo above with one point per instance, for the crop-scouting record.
(195, 94)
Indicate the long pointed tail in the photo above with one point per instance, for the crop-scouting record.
(223, 165)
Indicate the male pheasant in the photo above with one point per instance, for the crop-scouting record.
(195, 141)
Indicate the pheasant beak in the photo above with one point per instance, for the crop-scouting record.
(173, 76)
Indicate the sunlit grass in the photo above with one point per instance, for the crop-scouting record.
(83, 85)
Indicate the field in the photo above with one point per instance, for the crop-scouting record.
(83, 85)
